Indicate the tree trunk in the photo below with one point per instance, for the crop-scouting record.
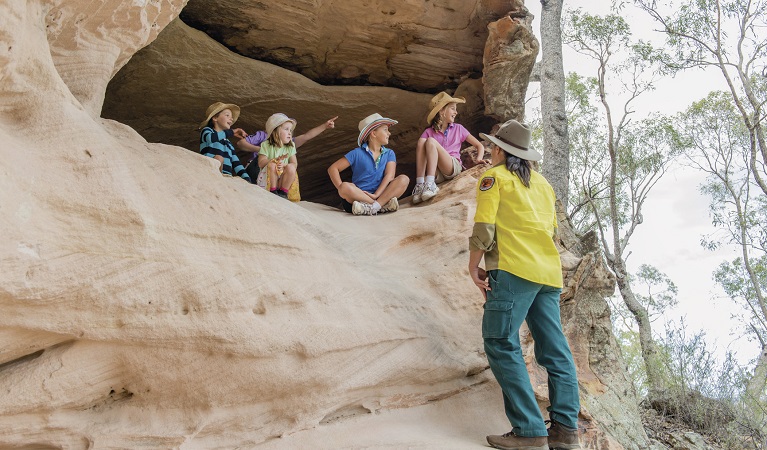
(756, 384)
(556, 149)
(646, 340)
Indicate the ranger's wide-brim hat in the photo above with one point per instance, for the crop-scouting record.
(217, 108)
(514, 138)
(438, 102)
(275, 120)
(370, 123)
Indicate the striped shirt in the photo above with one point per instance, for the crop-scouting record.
(216, 143)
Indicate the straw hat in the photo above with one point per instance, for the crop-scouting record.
(439, 101)
(370, 123)
(514, 138)
(275, 120)
(217, 108)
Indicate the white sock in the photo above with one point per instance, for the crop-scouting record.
(376, 206)
(430, 180)
(418, 180)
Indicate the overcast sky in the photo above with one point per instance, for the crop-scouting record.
(676, 213)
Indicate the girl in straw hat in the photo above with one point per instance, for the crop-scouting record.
(374, 187)
(438, 152)
(249, 147)
(216, 134)
(277, 157)
(514, 228)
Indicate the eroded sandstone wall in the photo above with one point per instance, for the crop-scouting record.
(147, 301)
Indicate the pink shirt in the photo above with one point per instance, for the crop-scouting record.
(450, 140)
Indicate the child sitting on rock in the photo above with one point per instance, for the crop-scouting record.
(249, 147)
(277, 157)
(438, 151)
(373, 171)
(215, 138)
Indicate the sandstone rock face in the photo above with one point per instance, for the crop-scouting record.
(420, 45)
(107, 33)
(509, 58)
(147, 301)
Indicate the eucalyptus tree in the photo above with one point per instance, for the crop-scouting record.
(731, 37)
(556, 167)
(718, 142)
(629, 156)
(657, 293)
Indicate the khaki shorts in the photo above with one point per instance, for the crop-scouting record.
(440, 177)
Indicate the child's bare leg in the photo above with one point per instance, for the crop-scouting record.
(420, 159)
(437, 158)
(351, 193)
(273, 177)
(288, 176)
(396, 188)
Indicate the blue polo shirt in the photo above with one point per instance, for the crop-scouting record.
(367, 173)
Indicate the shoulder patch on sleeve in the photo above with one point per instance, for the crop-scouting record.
(486, 183)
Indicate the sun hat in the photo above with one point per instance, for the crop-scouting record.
(217, 108)
(439, 101)
(514, 138)
(370, 123)
(275, 120)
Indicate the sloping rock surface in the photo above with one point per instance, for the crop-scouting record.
(149, 302)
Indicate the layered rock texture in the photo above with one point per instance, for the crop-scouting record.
(149, 302)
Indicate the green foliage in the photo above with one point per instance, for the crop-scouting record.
(631, 351)
(655, 290)
(606, 150)
(739, 285)
(707, 393)
(716, 141)
(589, 163)
(595, 35)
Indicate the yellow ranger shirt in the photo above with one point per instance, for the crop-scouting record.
(514, 225)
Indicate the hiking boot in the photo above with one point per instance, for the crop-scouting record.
(390, 206)
(562, 438)
(417, 191)
(429, 191)
(362, 209)
(511, 441)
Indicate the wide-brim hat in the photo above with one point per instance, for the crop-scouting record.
(438, 102)
(275, 120)
(217, 108)
(370, 123)
(514, 138)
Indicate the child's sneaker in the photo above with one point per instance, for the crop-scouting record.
(362, 209)
(417, 192)
(390, 206)
(280, 193)
(429, 191)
